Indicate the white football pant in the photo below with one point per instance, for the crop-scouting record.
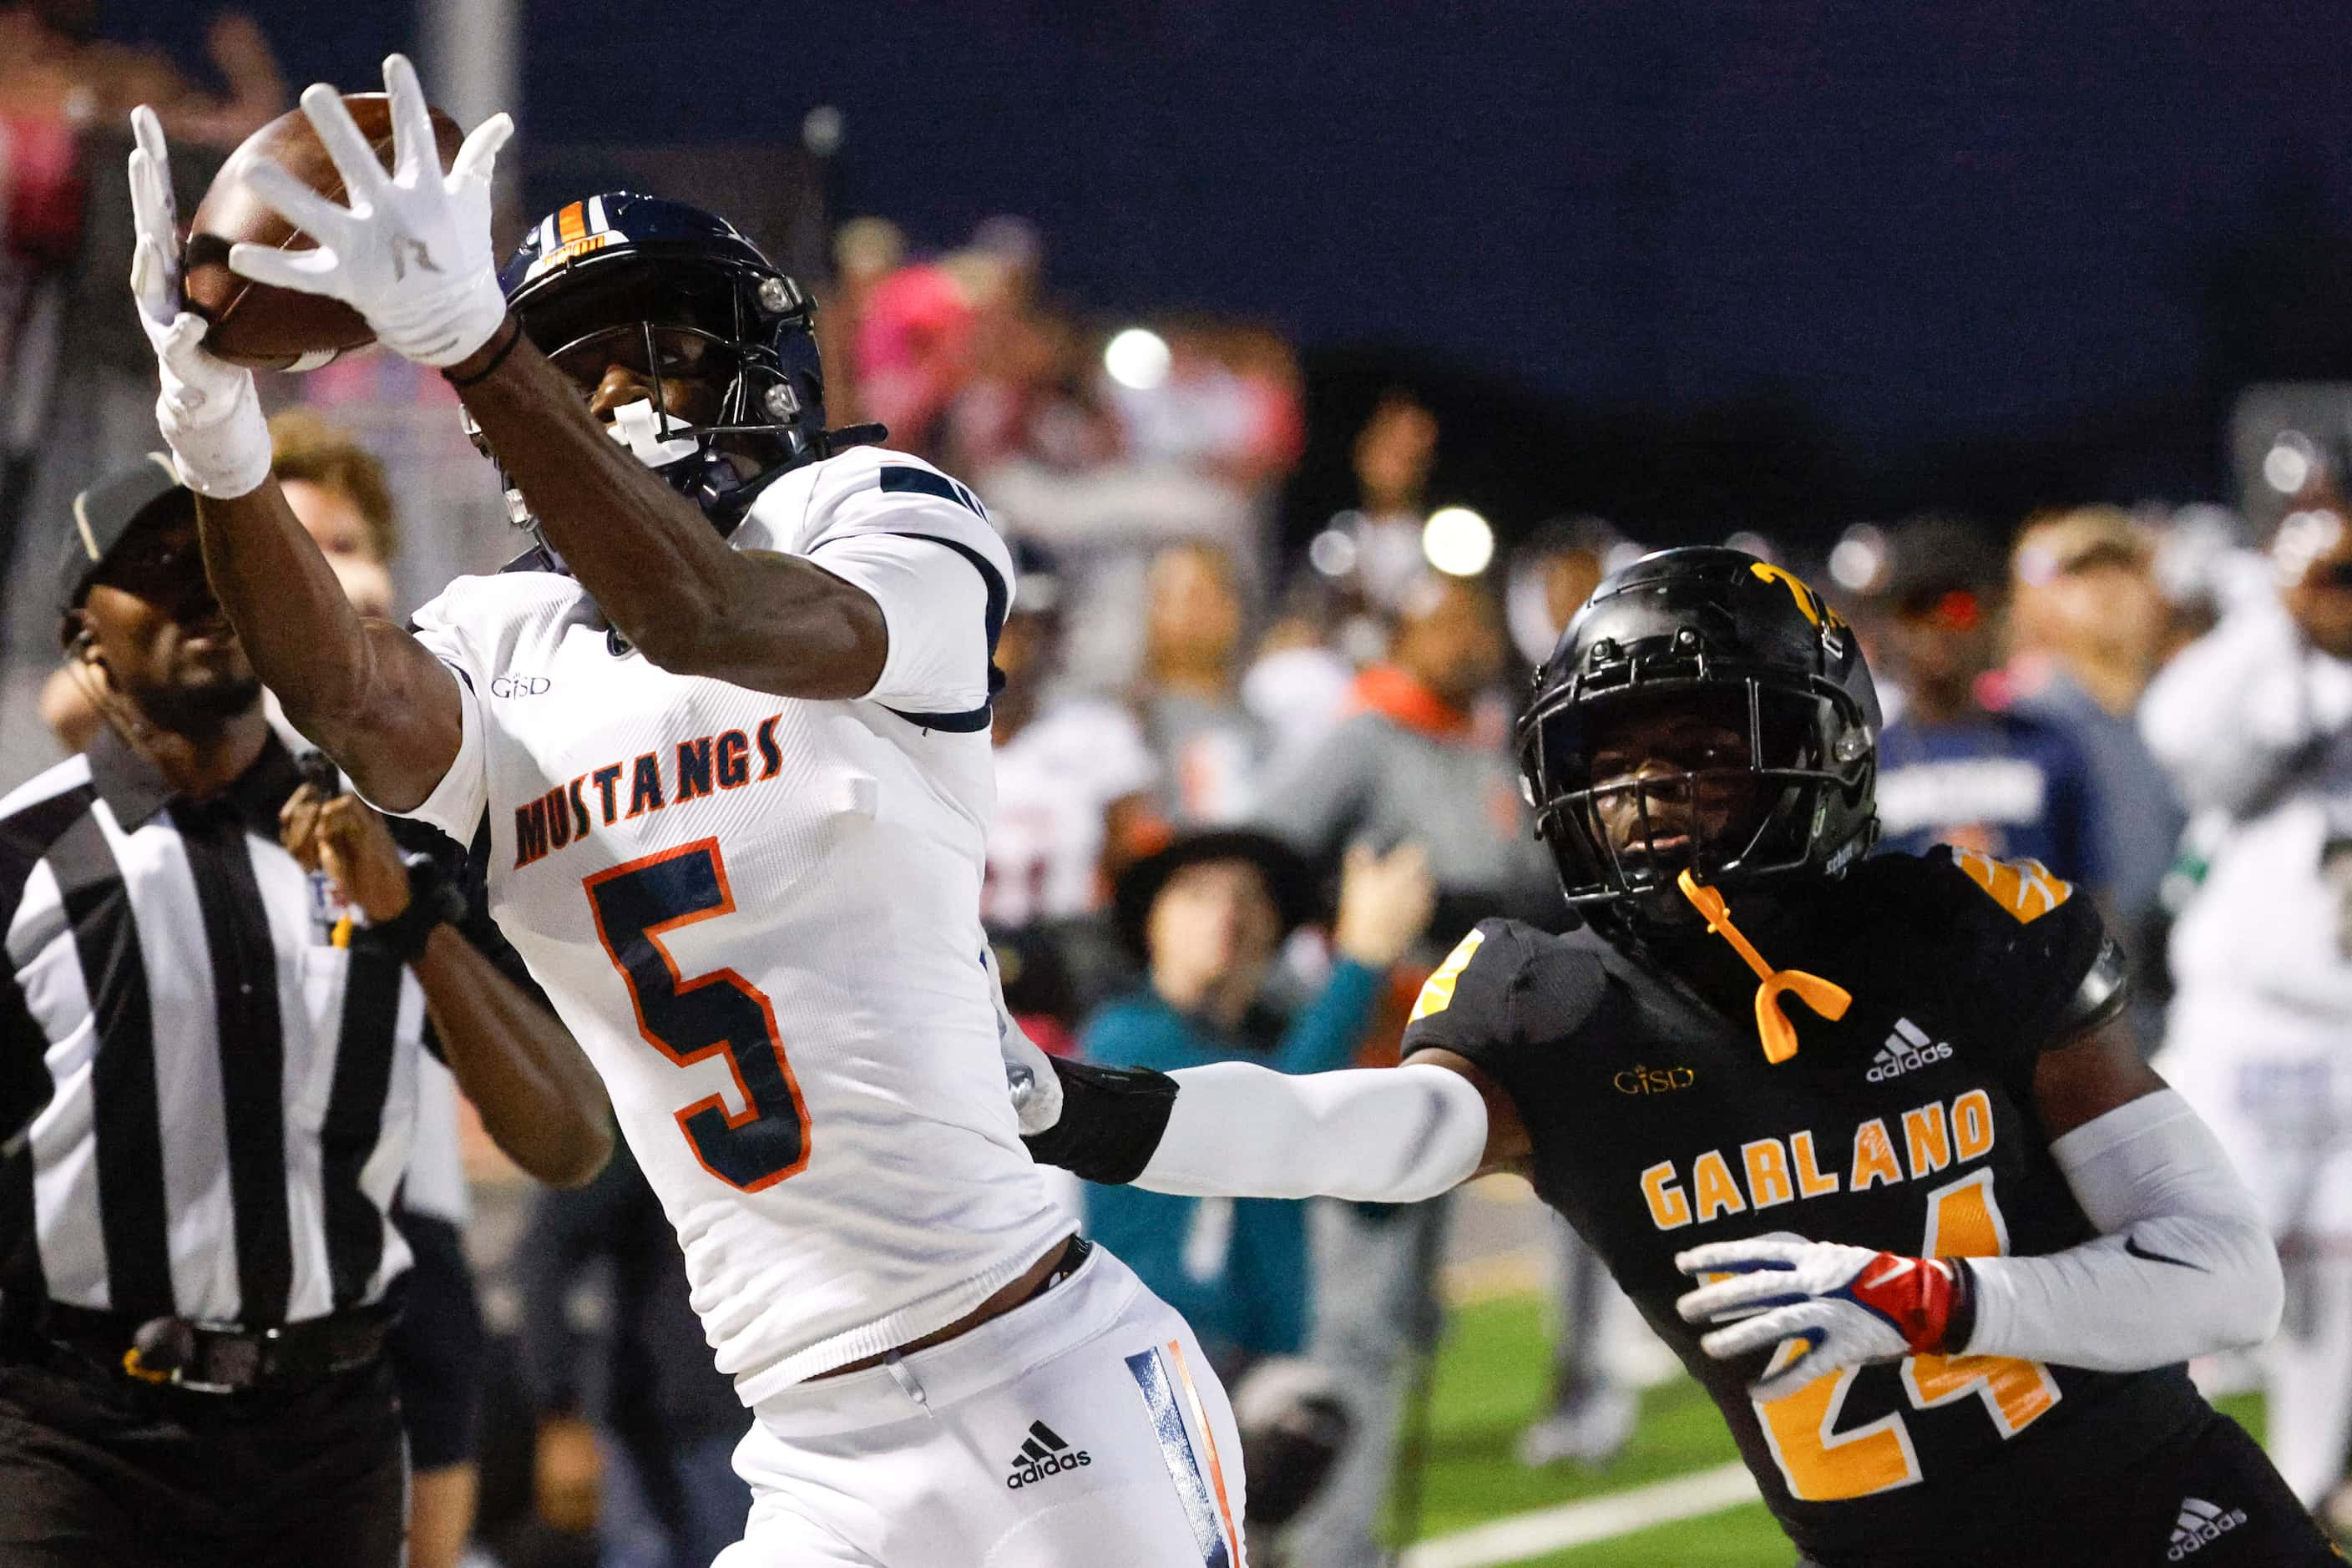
(1082, 1430)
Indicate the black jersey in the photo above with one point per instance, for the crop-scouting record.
(1907, 1125)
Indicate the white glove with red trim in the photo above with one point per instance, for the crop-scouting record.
(209, 414)
(1848, 1305)
(412, 252)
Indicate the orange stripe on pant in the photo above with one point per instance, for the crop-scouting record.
(1209, 1437)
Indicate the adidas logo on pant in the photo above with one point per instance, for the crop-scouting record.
(1908, 1047)
(1043, 1453)
(2200, 1524)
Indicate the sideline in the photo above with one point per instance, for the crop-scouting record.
(1525, 1535)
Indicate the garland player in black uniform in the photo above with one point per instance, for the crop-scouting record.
(1869, 1150)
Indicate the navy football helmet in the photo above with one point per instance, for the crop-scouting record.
(657, 286)
(1742, 641)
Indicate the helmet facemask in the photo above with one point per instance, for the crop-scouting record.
(1732, 782)
(723, 415)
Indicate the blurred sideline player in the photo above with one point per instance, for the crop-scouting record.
(2254, 723)
(725, 729)
(2017, 1232)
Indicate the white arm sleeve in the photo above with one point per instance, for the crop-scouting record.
(2184, 1264)
(1375, 1134)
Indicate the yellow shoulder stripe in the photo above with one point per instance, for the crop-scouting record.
(2026, 889)
(1437, 993)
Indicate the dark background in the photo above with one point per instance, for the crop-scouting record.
(1695, 265)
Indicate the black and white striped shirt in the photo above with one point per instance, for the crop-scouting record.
(234, 1096)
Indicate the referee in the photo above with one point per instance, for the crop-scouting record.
(197, 1267)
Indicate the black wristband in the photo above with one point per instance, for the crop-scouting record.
(514, 336)
(432, 900)
(1960, 1325)
(1112, 1119)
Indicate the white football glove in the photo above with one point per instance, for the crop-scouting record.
(1029, 1075)
(412, 252)
(209, 413)
(1848, 1305)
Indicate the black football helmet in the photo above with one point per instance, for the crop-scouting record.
(660, 284)
(1720, 630)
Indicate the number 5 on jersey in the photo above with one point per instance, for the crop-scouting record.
(716, 1014)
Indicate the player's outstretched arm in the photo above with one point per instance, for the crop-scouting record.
(1236, 1129)
(2182, 1264)
(363, 690)
(367, 693)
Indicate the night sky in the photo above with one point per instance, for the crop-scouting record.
(1920, 221)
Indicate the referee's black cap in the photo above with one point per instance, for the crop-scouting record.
(103, 515)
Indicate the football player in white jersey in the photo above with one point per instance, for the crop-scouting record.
(726, 731)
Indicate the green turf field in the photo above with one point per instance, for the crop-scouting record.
(1490, 1379)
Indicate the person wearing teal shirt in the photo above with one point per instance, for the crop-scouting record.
(1208, 916)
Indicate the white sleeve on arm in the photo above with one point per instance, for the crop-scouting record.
(2183, 1264)
(1373, 1134)
(457, 801)
(935, 607)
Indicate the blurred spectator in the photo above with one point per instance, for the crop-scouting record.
(1030, 398)
(55, 72)
(2087, 622)
(1954, 769)
(1073, 775)
(911, 350)
(1592, 1414)
(79, 377)
(1425, 756)
(636, 1428)
(1207, 916)
(1301, 683)
(1552, 574)
(1423, 760)
(1210, 748)
(2254, 724)
(1227, 402)
(864, 251)
(1394, 453)
(1206, 419)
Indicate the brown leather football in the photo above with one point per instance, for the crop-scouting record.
(276, 329)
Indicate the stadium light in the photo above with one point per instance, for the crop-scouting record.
(1457, 541)
(1858, 559)
(1136, 359)
(2286, 467)
(1332, 553)
(821, 130)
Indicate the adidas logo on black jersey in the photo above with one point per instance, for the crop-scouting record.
(2200, 1524)
(1908, 1049)
(1043, 1453)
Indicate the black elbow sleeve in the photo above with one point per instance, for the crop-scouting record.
(1112, 1119)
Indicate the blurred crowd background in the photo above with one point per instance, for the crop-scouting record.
(1317, 383)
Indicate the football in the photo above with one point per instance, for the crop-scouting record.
(278, 329)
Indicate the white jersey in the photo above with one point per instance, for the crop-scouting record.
(759, 917)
